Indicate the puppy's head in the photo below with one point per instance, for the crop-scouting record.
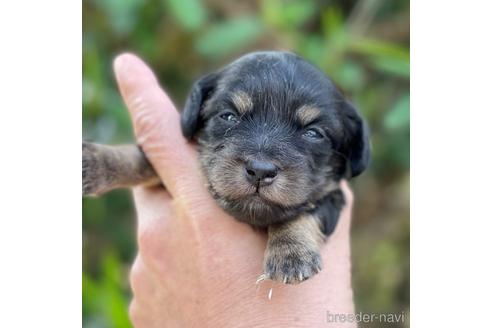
(275, 135)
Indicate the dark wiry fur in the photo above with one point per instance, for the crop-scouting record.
(278, 85)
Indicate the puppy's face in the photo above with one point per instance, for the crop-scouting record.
(274, 135)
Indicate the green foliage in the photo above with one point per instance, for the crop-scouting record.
(387, 57)
(287, 14)
(121, 14)
(189, 13)
(226, 37)
(359, 44)
(399, 117)
(103, 302)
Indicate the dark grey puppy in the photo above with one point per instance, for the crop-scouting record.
(275, 138)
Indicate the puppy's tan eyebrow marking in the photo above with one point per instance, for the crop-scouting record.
(307, 113)
(242, 101)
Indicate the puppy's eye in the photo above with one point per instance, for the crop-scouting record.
(229, 117)
(312, 134)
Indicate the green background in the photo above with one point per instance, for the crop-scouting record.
(362, 45)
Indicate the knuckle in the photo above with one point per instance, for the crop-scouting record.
(152, 250)
(135, 314)
(147, 241)
(136, 276)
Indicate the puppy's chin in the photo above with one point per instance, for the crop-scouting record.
(257, 210)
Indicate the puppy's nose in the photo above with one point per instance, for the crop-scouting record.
(260, 172)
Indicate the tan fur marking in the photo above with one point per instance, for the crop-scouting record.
(242, 101)
(306, 114)
(292, 253)
(305, 230)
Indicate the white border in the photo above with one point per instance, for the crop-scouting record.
(40, 133)
(40, 220)
(450, 163)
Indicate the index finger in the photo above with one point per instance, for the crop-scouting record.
(156, 124)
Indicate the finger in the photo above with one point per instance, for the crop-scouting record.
(142, 282)
(139, 315)
(157, 125)
(152, 205)
(153, 211)
(343, 227)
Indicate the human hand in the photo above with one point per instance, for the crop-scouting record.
(196, 265)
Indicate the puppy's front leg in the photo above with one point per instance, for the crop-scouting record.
(292, 254)
(109, 167)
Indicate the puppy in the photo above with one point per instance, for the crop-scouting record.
(275, 137)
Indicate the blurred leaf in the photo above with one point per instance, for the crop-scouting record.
(335, 40)
(350, 76)
(111, 270)
(312, 49)
(121, 13)
(332, 21)
(190, 14)
(94, 210)
(392, 66)
(387, 57)
(104, 297)
(287, 14)
(225, 38)
(380, 49)
(399, 116)
(116, 306)
(89, 294)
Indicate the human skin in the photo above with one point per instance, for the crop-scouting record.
(197, 266)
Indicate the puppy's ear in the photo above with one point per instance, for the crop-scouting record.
(358, 148)
(190, 118)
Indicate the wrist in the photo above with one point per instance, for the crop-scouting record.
(305, 305)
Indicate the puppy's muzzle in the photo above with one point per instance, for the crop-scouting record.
(260, 173)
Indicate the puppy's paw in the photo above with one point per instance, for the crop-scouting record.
(93, 179)
(291, 263)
